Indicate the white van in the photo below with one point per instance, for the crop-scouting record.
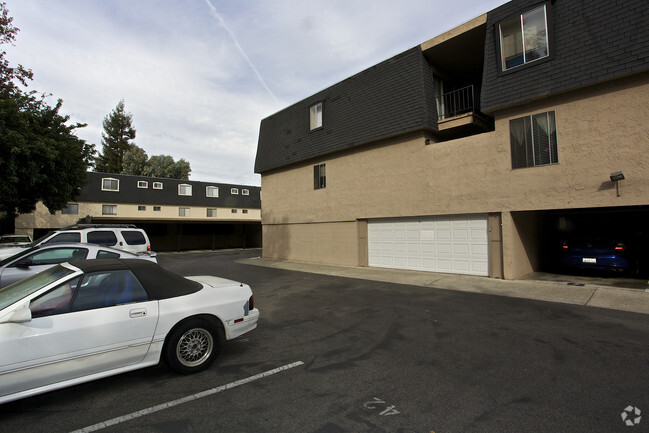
(125, 237)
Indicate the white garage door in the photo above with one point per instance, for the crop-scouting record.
(452, 244)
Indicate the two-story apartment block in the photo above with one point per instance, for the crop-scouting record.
(476, 152)
(176, 214)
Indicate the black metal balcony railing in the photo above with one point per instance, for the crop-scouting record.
(457, 102)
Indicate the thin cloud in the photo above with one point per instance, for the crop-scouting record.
(222, 22)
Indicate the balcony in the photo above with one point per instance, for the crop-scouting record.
(458, 113)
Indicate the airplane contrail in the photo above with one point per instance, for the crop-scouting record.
(220, 19)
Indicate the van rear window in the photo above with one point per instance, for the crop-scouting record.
(134, 237)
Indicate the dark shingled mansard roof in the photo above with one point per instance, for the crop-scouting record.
(386, 100)
(591, 41)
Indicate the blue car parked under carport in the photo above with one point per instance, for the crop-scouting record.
(596, 255)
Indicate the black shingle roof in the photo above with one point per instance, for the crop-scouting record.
(391, 98)
(168, 195)
(591, 41)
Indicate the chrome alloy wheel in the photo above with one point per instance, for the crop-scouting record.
(194, 347)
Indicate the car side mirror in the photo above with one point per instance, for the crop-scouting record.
(24, 263)
(21, 315)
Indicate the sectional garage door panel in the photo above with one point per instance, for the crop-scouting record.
(455, 244)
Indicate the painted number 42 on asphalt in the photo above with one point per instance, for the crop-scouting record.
(377, 403)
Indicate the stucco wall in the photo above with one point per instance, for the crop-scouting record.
(600, 130)
(327, 243)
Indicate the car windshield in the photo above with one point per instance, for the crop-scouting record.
(15, 292)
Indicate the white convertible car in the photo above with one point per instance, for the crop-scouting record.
(85, 320)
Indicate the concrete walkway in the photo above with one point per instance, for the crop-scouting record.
(592, 295)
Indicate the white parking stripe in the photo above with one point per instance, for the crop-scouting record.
(187, 399)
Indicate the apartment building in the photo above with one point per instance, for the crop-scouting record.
(475, 152)
(177, 214)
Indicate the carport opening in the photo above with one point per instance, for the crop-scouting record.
(599, 242)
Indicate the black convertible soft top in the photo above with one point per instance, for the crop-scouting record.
(158, 282)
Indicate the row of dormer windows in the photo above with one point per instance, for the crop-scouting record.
(184, 189)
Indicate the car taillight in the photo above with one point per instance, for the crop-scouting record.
(148, 248)
(251, 303)
(620, 247)
(564, 245)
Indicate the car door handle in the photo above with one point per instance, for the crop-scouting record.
(141, 312)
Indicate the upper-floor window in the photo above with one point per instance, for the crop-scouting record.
(234, 191)
(319, 176)
(533, 140)
(211, 213)
(183, 211)
(157, 185)
(184, 189)
(109, 184)
(315, 116)
(212, 191)
(142, 184)
(524, 38)
(245, 192)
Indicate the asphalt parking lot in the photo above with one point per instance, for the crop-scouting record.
(335, 354)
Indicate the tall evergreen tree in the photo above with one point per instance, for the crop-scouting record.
(135, 161)
(116, 139)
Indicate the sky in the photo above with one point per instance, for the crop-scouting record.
(198, 76)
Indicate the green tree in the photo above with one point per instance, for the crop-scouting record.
(41, 158)
(116, 139)
(135, 161)
(165, 166)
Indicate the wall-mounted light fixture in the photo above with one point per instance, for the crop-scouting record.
(427, 142)
(617, 177)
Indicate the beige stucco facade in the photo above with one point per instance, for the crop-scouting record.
(600, 130)
(41, 218)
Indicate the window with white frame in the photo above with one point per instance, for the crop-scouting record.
(71, 209)
(245, 192)
(211, 213)
(184, 189)
(315, 116)
(183, 211)
(157, 185)
(319, 176)
(109, 184)
(212, 191)
(142, 184)
(533, 140)
(524, 38)
(234, 191)
(109, 209)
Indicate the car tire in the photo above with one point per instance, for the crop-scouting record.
(192, 346)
